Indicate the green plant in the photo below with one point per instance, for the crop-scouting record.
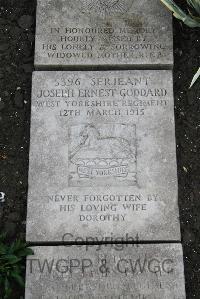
(11, 264)
(191, 19)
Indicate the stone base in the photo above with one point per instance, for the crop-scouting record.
(117, 271)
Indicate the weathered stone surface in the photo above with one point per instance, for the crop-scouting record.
(103, 33)
(102, 157)
(111, 271)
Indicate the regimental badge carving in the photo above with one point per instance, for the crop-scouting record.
(106, 7)
(103, 154)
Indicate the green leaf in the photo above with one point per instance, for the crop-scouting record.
(24, 252)
(3, 249)
(195, 4)
(6, 284)
(180, 14)
(18, 279)
(18, 245)
(195, 78)
(10, 259)
(12, 264)
(28, 251)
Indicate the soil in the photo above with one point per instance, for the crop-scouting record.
(17, 25)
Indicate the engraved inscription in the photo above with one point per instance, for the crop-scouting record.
(103, 32)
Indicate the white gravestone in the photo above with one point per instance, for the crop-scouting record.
(111, 33)
(102, 157)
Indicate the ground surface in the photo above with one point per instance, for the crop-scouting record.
(17, 23)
